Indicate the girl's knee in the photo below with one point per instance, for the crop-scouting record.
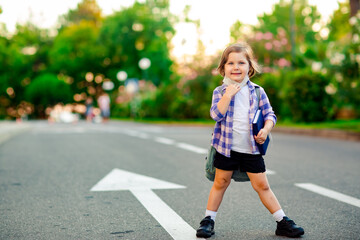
(221, 183)
(261, 186)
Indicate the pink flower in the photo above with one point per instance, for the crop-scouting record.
(267, 69)
(268, 46)
(284, 41)
(268, 36)
(277, 43)
(258, 36)
(283, 62)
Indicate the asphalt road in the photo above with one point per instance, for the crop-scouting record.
(47, 173)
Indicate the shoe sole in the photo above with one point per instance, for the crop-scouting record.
(294, 235)
(204, 234)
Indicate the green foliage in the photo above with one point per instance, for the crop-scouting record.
(87, 42)
(200, 94)
(158, 104)
(142, 30)
(122, 110)
(48, 90)
(274, 89)
(306, 96)
(333, 48)
(343, 59)
(272, 36)
(22, 57)
(76, 51)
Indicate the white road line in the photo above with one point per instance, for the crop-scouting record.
(168, 218)
(192, 148)
(143, 135)
(163, 140)
(131, 133)
(330, 193)
(181, 145)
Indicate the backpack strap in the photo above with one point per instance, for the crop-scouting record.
(257, 90)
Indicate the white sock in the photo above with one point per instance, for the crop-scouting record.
(212, 214)
(278, 215)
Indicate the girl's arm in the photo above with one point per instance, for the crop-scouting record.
(224, 102)
(220, 103)
(270, 118)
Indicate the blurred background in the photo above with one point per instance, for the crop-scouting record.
(157, 59)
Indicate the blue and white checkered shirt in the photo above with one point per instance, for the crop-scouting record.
(223, 130)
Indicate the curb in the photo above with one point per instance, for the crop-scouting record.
(324, 133)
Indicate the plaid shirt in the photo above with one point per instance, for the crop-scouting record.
(222, 136)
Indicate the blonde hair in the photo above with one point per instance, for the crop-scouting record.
(239, 48)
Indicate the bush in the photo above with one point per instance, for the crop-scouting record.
(306, 96)
(47, 90)
(122, 110)
(271, 82)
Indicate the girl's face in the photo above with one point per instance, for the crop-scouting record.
(236, 67)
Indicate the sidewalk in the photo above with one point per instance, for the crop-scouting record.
(325, 133)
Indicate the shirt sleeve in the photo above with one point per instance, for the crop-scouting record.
(266, 108)
(214, 111)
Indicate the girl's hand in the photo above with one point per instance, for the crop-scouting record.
(264, 132)
(261, 137)
(231, 90)
(224, 102)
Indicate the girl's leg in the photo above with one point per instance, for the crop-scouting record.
(221, 182)
(261, 185)
(285, 226)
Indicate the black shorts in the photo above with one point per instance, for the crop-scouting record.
(243, 161)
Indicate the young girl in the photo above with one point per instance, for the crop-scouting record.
(233, 107)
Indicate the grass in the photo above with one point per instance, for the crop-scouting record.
(346, 125)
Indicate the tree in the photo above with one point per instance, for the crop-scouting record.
(142, 30)
(343, 61)
(23, 56)
(76, 51)
(76, 54)
(354, 7)
(271, 38)
(87, 10)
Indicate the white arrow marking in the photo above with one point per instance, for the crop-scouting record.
(140, 186)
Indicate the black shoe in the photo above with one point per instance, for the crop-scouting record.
(206, 228)
(288, 228)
